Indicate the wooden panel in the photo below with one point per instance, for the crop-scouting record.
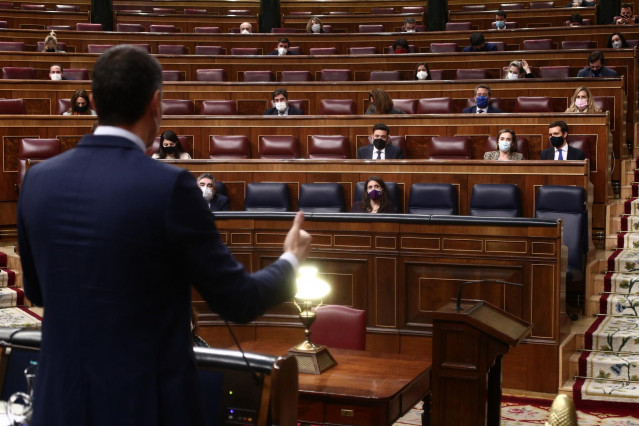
(39, 19)
(525, 18)
(186, 23)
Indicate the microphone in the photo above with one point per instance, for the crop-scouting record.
(459, 289)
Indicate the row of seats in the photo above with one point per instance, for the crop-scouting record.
(511, 6)
(466, 25)
(186, 11)
(41, 6)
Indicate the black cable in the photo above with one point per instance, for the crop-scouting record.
(256, 378)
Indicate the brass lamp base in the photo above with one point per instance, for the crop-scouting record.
(312, 360)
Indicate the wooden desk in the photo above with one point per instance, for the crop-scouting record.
(39, 19)
(364, 388)
(185, 22)
(350, 23)
(525, 18)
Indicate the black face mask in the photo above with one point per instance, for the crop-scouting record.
(557, 141)
(83, 108)
(596, 73)
(169, 149)
(379, 144)
(50, 49)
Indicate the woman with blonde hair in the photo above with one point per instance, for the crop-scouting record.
(582, 102)
(315, 25)
(381, 103)
(518, 69)
(51, 43)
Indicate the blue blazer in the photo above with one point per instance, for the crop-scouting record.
(606, 72)
(111, 242)
(291, 111)
(473, 109)
(392, 152)
(219, 203)
(573, 154)
(488, 47)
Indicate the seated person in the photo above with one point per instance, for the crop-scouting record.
(576, 20)
(519, 69)
(80, 104)
(380, 149)
(375, 198)
(410, 25)
(500, 19)
(582, 102)
(478, 44)
(381, 103)
(56, 73)
(506, 147)
(581, 3)
(558, 136)
(400, 46)
(282, 48)
(51, 43)
(422, 72)
(280, 104)
(482, 99)
(596, 67)
(617, 41)
(246, 28)
(216, 202)
(170, 147)
(315, 26)
(627, 15)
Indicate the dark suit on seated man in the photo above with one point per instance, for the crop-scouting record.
(111, 243)
(280, 104)
(216, 202)
(380, 149)
(283, 48)
(596, 67)
(558, 134)
(479, 44)
(483, 94)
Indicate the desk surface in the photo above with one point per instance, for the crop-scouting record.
(364, 388)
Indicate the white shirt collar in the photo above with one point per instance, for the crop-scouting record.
(119, 131)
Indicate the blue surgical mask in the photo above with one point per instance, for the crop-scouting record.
(482, 101)
(500, 24)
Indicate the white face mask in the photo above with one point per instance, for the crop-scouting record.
(512, 76)
(316, 28)
(412, 30)
(421, 75)
(55, 77)
(617, 44)
(281, 51)
(207, 193)
(504, 146)
(281, 106)
(245, 31)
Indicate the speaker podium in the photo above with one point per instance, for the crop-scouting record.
(468, 346)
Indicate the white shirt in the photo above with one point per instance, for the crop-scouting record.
(383, 154)
(564, 154)
(482, 110)
(283, 113)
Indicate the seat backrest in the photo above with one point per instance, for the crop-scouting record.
(533, 104)
(371, 28)
(283, 30)
(36, 149)
(435, 106)
(17, 73)
(541, 4)
(61, 46)
(209, 50)
(473, 7)
(501, 46)
(76, 73)
(267, 196)
(449, 147)
(288, 76)
(437, 74)
(328, 147)
(301, 12)
(66, 8)
(258, 76)
(322, 51)
(458, 26)
(226, 147)
(398, 141)
(412, 9)
(163, 28)
(163, 10)
(171, 75)
(382, 10)
(297, 103)
(12, 46)
(218, 107)
(554, 71)
(633, 43)
(144, 46)
(245, 51)
(62, 106)
(98, 48)
(495, 200)
(238, 12)
(59, 27)
(511, 6)
(177, 107)
(372, 50)
(537, 44)
(385, 76)
(522, 145)
(409, 106)
(321, 198)
(340, 327)
(471, 74)
(336, 75)
(432, 198)
(206, 30)
(129, 28)
(88, 26)
(25, 6)
(581, 142)
(393, 194)
(172, 49)
(338, 107)
(296, 50)
(6, 5)
(12, 106)
(217, 74)
(279, 147)
(577, 44)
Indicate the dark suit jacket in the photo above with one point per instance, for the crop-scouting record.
(291, 111)
(606, 72)
(489, 47)
(392, 152)
(573, 154)
(219, 203)
(288, 52)
(473, 109)
(112, 260)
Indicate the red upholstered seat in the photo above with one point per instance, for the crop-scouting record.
(6, 5)
(194, 11)
(340, 327)
(206, 30)
(336, 75)
(218, 107)
(533, 104)
(522, 145)
(63, 106)
(209, 50)
(59, 27)
(67, 8)
(471, 74)
(18, 73)
(245, 51)
(362, 50)
(88, 26)
(177, 107)
(449, 147)
(556, 71)
(288, 76)
(385, 76)
(458, 26)
(61, 46)
(3, 24)
(303, 13)
(297, 50)
(541, 4)
(36, 149)
(171, 75)
(382, 10)
(537, 44)
(371, 28)
(33, 7)
(258, 76)
(443, 47)
(397, 141)
(338, 107)
(578, 44)
(76, 73)
(435, 106)
(12, 106)
(412, 9)
(163, 10)
(511, 6)
(473, 7)
(215, 74)
(238, 12)
(98, 48)
(226, 147)
(144, 46)
(163, 28)
(12, 46)
(328, 147)
(581, 142)
(322, 51)
(339, 12)
(279, 147)
(172, 49)
(409, 106)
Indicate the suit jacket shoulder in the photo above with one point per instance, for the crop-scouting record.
(576, 154)
(392, 152)
(365, 152)
(469, 109)
(547, 154)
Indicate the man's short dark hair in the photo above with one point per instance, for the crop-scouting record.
(57, 65)
(477, 39)
(627, 6)
(575, 17)
(484, 86)
(381, 126)
(410, 20)
(205, 176)
(501, 13)
(561, 124)
(125, 77)
(284, 40)
(596, 56)
(280, 92)
(401, 42)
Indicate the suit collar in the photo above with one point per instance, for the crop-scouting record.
(106, 141)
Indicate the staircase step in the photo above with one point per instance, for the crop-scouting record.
(566, 388)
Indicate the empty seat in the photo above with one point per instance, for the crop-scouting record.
(578, 44)
(279, 147)
(372, 50)
(501, 46)
(385, 76)
(245, 51)
(258, 76)
(238, 12)
(437, 74)
(555, 71)
(322, 51)
(584, 21)
(36, 149)
(4, 24)
(163, 28)
(336, 75)
(302, 13)
(495, 200)
(321, 198)
(297, 103)
(216, 74)
(218, 107)
(88, 26)
(509, 25)
(24, 6)
(449, 147)
(18, 73)
(12, 106)
(143, 46)
(541, 4)
(267, 196)
(163, 10)
(371, 28)
(443, 47)
(633, 43)
(12, 46)
(338, 107)
(59, 27)
(227, 147)
(129, 28)
(458, 26)
(435, 106)
(392, 190)
(581, 142)
(341, 327)
(471, 74)
(177, 107)
(288, 76)
(382, 10)
(511, 6)
(522, 145)
(98, 48)
(206, 30)
(412, 9)
(63, 106)
(209, 50)
(537, 44)
(171, 75)
(296, 50)
(194, 11)
(473, 7)
(432, 198)
(6, 5)
(328, 147)
(76, 73)
(172, 49)
(60, 47)
(409, 106)
(339, 12)
(533, 104)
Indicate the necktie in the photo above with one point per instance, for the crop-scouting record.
(561, 154)
(281, 113)
(379, 155)
(480, 111)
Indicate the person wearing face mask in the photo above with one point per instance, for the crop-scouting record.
(246, 28)
(410, 25)
(596, 67)
(422, 72)
(314, 26)
(506, 147)
(170, 147)
(80, 104)
(375, 198)
(479, 44)
(558, 137)
(582, 102)
(482, 101)
(282, 49)
(617, 41)
(400, 46)
(519, 69)
(281, 106)
(500, 20)
(56, 73)
(380, 147)
(381, 103)
(217, 202)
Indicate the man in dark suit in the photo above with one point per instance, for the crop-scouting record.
(281, 106)
(483, 94)
(478, 44)
(217, 202)
(283, 46)
(596, 67)
(111, 242)
(557, 135)
(380, 149)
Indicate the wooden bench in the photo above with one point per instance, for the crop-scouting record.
(185, 22)
(525, 18)
(350, 23)
(40, 19)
